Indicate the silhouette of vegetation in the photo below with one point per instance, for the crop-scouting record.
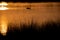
(15, 33)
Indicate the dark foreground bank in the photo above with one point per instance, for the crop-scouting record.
(16, 34)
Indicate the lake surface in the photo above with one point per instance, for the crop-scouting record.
(24, 13)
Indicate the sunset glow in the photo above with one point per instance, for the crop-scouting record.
(19, 13)
(3, 25)
(3, 28)
(3, 6)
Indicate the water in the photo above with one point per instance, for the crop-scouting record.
(18, 14)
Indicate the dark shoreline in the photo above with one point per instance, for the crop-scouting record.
(29, 1)
(15, 34)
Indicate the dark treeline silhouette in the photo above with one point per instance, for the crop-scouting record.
(16, 33)
(29, 1)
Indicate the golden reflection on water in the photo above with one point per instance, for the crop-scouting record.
(3, 20)
(3, 25)
(18, 13)
(3, 6)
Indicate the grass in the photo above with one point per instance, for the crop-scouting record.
(15, 33)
